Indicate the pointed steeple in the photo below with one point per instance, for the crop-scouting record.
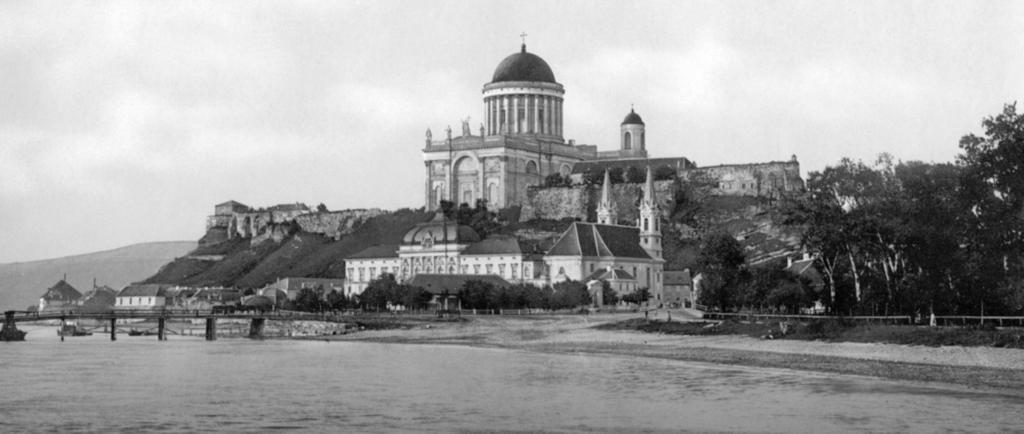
(606, 210)
(650, 219)
(649, 189)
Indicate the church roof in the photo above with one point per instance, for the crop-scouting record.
(523, 66)
(62, 291)
(442, 230)
(613, 274)
(452, 283)
(378, 251)
(495, 245)
(601, 241)
(632, 118)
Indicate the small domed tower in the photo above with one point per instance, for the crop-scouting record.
(632, 135)
(650, 219)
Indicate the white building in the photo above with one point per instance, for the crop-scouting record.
(142, 296)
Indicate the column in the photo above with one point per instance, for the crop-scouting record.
(547, 114)
(515, 114)
(504, 109)
(537, 114)
(113, 329)
(211, 329)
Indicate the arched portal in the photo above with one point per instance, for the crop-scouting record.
(467, 174)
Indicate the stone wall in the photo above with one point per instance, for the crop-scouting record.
(556, 203)
(580, 201)
(335, 223)
(757, 179)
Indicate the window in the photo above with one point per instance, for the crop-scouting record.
(645, 224)
(501, 270)
(373, 272)
(591, 267)
(514, 268)
(476, 269)
(490, 269)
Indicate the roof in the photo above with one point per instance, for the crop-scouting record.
(441, 230)
(523, 66)
(495, 245)
(452, 283)
(259, 300)
(632, 118)
(378, 251)
(597, 240)
(613, 274)
(805, 268)
(62, 291)
(144, 290)
(677, 277)
(231, 203)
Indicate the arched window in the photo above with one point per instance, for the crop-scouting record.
(645, 224)
(627, 141)
(531, 167)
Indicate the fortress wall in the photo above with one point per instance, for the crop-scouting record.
(335, 223)
(757, 179)
(555, 203)
(580, 202)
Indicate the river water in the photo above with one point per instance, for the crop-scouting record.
(139, 384)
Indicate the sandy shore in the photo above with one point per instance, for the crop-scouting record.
(971, 366)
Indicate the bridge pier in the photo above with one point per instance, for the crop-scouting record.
(62, 328)
(256, 328)
(113, 329)
(161, 332)
(10, 331)
(211, 329)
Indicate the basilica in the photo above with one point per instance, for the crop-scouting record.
(519, 143)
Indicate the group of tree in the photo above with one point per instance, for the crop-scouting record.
(727, 283)
(476, 294)
(918, 238)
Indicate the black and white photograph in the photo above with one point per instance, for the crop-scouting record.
(447, 216)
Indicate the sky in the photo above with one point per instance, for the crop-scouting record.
(125, 122)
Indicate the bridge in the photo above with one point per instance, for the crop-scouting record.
(257, 319)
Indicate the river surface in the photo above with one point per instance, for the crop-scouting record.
(138, 384)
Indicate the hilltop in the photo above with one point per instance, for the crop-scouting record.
(22, 283)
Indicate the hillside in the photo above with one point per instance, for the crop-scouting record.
(238, 263)
(22, 283)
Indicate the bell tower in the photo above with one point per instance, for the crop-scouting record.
(650, 220)
(632, 135)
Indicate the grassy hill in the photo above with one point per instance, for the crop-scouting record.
(298, 255)
(22, 283)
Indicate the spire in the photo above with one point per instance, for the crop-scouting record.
(649, 188)
(605, 195)
(606, 209)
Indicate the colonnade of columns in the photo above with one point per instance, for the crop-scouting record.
(524, 114)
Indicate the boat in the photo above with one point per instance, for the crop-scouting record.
(72, 330)
(134, 332)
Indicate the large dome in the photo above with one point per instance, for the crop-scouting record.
(440, 230)
(523, 66)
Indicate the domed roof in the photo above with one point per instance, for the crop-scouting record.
(632, 118)
(440, 230)
(523, 66)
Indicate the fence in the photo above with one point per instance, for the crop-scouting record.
(755, 316)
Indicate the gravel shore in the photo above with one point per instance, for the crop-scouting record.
(982, 367)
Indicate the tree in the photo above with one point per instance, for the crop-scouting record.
(379, 292)
(993, 191)
(569, 294)
(321, 207)
(608, 295)
(635, 175)
(638, 296)
(310, 299)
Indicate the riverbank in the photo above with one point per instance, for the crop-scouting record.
(976, 367)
